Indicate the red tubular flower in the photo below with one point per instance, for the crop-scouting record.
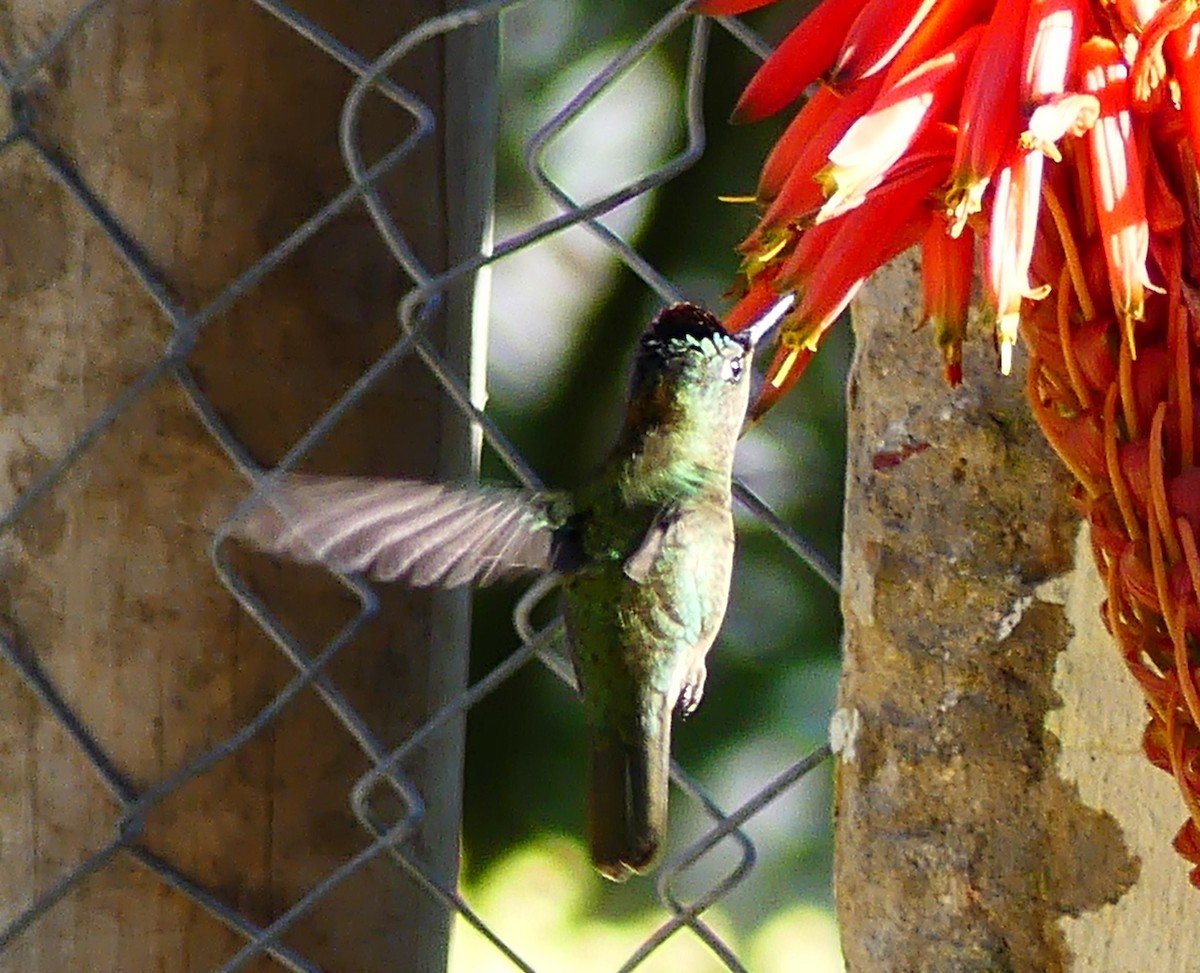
(796, 361)
(853, 255)
(795, 144)
(874, 143)
(803, 56)
(1117, 181)
(788, 184)
(832, 261)
(947, 269)
(945, 23)
(988, 122)
(1052, 33)
(1053, 30)
(1010, 246)
(1183, 50)
(857, 250)
(1109, 92)
(759, 298)
(877, 35)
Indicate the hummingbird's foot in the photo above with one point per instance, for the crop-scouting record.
(692, 690)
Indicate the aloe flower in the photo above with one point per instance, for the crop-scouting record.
(1054, 142)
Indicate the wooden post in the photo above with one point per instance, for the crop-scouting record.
(210, 130)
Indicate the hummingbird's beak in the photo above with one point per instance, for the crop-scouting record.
(756, 333)
(764, 325)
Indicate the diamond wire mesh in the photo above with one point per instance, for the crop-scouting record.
(388, 839)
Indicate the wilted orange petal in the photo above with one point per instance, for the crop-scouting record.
(1093, 353)
(1149, 67)
(1187, 844)
(802, 57)
(876, 141)
(1183, 49)
(1078, 441)
(1164, 211)
(1157, 749)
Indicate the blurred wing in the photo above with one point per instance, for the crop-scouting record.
(424, 533)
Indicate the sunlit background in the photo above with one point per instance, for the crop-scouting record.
(565, 316)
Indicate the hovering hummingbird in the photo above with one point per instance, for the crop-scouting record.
(645, 551)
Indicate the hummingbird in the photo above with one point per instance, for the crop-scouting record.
(644, 551)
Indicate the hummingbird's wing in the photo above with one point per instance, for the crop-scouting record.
(638, 565)
(424, 533)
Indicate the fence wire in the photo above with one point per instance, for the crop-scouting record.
(387, 837)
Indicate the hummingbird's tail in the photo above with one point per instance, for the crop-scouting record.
(627, 793)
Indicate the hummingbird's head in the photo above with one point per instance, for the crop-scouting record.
(691, 386)
(688, 349)
(686, 346)
(691, 380)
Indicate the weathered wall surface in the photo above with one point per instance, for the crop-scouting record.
(993, 809)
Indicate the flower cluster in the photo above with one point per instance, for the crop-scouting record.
(1059, 139)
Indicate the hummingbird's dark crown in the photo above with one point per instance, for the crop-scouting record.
(682, 330)
(686, 324)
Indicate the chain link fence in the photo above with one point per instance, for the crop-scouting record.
(387, 838)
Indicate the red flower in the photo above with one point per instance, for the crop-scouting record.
(1063, 135)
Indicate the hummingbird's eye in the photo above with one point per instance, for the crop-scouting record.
(731, 369)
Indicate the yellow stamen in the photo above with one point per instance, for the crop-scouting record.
(775, 248)
(786, 366)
